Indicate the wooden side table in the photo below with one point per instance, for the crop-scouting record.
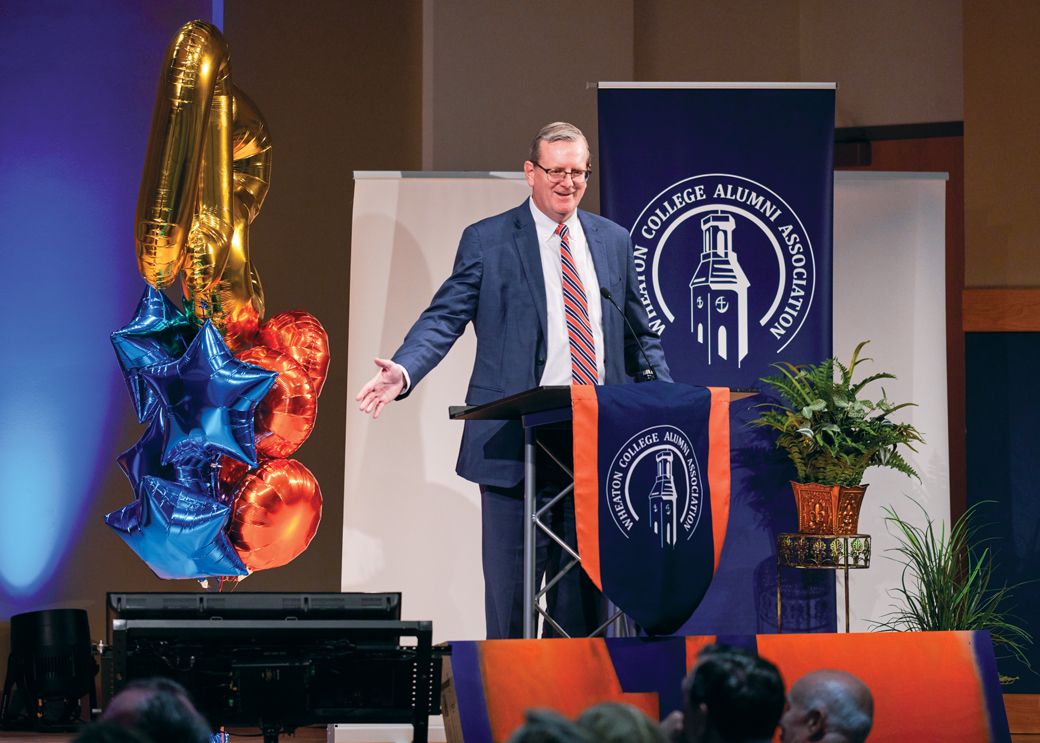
(842, 552)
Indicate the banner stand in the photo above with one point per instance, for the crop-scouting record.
(727, 192)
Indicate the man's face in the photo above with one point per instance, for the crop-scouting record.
(558, 201)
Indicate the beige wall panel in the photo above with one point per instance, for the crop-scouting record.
(500, 70)
(410, 523)
(895, 62)
(1001, 156)
(889, 231)
(742, 41)
(339, 84)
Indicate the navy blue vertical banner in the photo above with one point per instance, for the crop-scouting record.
(728, 195)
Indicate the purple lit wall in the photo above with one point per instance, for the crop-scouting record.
(78, 84)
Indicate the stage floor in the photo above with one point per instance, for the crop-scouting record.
(332, 734)
(303, 735)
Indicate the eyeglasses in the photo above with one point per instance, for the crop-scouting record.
(556, 175)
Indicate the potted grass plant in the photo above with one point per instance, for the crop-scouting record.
(947, 584)
(832, 433)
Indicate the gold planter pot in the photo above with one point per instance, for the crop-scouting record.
(827, 509)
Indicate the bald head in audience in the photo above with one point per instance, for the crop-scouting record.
(827, 707)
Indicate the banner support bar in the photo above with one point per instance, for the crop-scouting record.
(707, 86)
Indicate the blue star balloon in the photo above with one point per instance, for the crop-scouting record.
(201, 474)
(209, 398)
(177, 532)
(145, 458)
(127, 519)
(159, 332)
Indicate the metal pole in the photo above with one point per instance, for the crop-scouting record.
(530, 623)
(847, 630)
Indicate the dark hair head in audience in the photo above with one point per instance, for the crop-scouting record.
(732, 696)
(612, 722)
(546, 726)
(161, 709)
(110, 732)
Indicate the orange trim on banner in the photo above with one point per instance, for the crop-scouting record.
(568, 676)
(585, 407)
(925, 684)
(718, 466)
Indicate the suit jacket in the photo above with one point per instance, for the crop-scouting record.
(497, 285)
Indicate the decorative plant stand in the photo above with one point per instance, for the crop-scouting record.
(842, 552)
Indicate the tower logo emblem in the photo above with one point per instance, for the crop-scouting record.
(655, 486)
(725, 268)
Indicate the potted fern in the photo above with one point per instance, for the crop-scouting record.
(832, 434)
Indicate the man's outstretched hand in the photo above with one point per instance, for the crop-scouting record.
(384, 387)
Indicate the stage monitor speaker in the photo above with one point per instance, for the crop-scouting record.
(50, 669)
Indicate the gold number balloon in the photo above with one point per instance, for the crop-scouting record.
(192, 118)
(235, 302)
(206, 175)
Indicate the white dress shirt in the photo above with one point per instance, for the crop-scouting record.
(558, 349)
(558, 346)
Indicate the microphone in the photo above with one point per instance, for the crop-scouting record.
(646, 375)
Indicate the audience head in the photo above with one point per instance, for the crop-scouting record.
(109, 732)
(546, 726)
(828, 706)
(731, 695)
(611, 722)
(161, 709)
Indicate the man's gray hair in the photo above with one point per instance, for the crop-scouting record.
(558, 131)
(835, 692)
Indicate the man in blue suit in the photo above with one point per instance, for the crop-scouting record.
(529, 280)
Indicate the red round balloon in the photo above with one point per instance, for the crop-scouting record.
(277, 511)
(300, 335)
(285, 417)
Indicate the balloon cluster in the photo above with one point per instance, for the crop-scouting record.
(226, 399)
(215, 495)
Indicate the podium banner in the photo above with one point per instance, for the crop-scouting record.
(728, 195)
(651, 494)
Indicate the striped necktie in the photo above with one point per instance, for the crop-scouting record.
(576, 312)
